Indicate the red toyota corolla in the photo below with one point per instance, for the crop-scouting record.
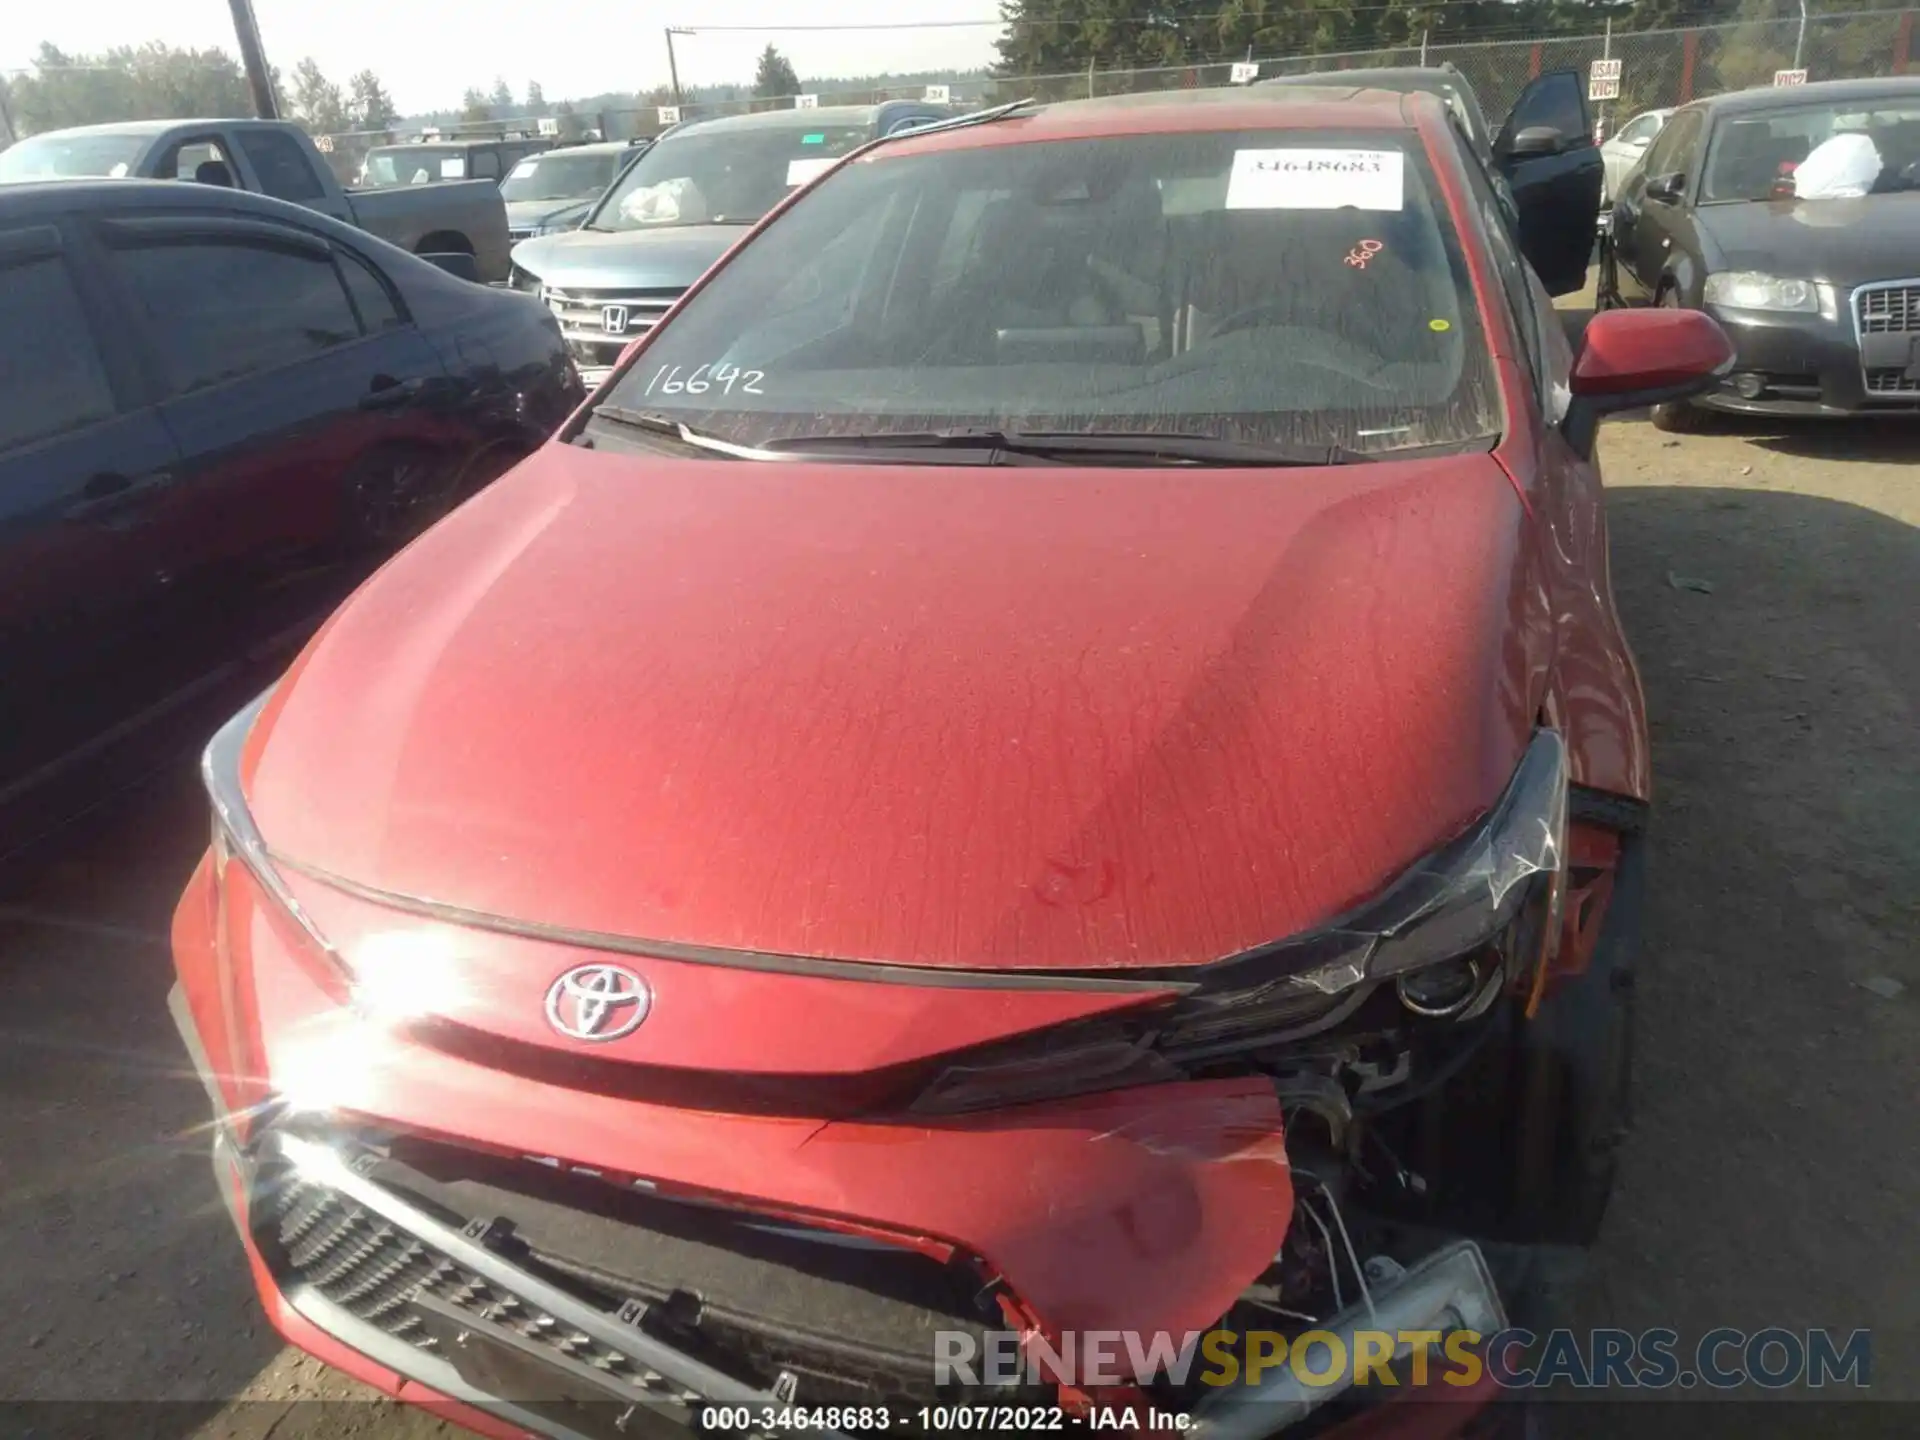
(1051, 754)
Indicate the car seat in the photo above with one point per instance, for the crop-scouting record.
(1291, 268)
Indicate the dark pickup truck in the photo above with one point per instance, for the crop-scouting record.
(461, 225)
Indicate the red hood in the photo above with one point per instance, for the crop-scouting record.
(994, 717)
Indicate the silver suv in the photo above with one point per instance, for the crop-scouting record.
(679, 208)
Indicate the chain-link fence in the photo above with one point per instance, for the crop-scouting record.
(1658, 68)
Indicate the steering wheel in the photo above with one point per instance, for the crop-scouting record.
(1346, 358)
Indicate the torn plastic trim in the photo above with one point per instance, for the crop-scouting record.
(1449, 1290)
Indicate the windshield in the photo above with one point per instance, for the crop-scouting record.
(1198, 284)
(559, 177)
(61, 157)
(724, 177)
(413, 165)
(1816, 152)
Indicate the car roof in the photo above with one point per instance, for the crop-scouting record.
(592, 147)
(1282, 107)
(35, 198)
(1774, 97)
(1385, 77)
(153, 127)
(787, 119)
(445, 140)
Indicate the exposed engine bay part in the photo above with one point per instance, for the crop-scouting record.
(1451, 1289)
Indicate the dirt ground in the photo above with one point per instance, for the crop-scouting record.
(1770, 579)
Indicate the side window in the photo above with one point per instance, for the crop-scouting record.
(218, 310)
(910, 122)
(1671, 152)
(52, 379)
(371, 298)
(485, 165)
(1515, 273)
(1641, 129)
(1556, 100)
(204, 160)
(282, 166)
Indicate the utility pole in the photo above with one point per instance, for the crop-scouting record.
(673, 66)
(6, 114)
(259, 77)
(1606, 53)
(1800, 40)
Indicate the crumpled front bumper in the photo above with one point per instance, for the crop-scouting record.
(501, 1344)
(1152, 1208)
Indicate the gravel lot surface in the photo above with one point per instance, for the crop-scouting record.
(1770, 579)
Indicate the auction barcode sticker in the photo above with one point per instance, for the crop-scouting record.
(804, 171)
(1316, 179)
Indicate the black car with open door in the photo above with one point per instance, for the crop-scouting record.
(1544, 161)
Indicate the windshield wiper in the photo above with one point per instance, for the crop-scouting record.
(667, 426)
(1174, 447)
(987, 444)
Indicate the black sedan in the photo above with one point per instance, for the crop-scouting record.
(1793, 216)
(217, 413)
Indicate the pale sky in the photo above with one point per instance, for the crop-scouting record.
(428, 51)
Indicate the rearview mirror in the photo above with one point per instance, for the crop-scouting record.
(457, 263)
(1665, 188)
(1630, 359)
(1537, 140)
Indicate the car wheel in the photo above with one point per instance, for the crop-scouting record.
(1606, 290)
(1578, 1054)
(393, 493)
(1676, 417)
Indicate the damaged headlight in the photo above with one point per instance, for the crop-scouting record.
(1446, 911)
(1482, 911)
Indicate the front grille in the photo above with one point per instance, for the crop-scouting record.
(1890, 380)
(599, 324)
(1889, 310)
(379, 1273)
(520, 232)
(769, 1306)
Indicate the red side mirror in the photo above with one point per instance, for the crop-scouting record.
(1631, 358)
(1635, 357)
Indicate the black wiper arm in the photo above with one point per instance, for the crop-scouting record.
(685, 434)
(1202, 449)
(1176, 447)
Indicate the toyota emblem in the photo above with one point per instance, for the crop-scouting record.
(598, 1002)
